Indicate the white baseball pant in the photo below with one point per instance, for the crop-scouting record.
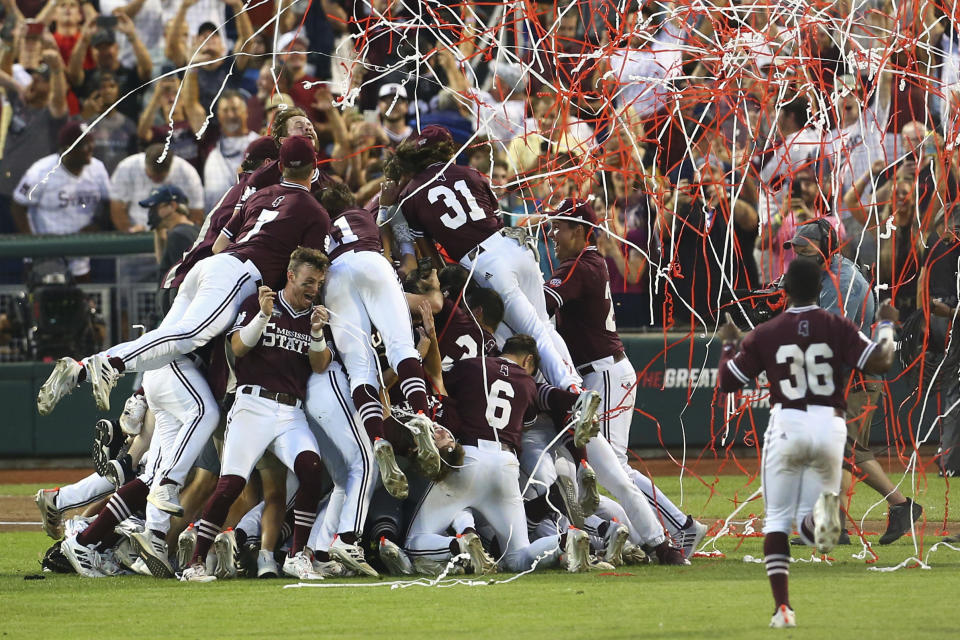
(206, 305)
(512, 272)
(488, 483)
(362, 290)
(185, 416)
(255, 425)
(347, 454)
(83, 492)
(616, 384)
(802, 457)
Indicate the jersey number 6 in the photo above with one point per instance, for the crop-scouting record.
(498, 404)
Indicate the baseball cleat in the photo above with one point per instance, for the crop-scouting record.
(267, 565)
(589, 494)
(393, 479)
(103, 378)
(247, 559)
(614, 541)
(480, 560)
(134, 410)
(826, 522)
(395, 559)
(583, 413)
(577, 551)
(166, 497)
(46, 500)
(186, 543)
(225, 548)
(126, 552)
(427, 454)
(431, 567)
(689, 538)
(568, 492)
(596, 564)
(84, 560)
(119, 471)
(633, 554)
(153, 550)
(351, 556)
(196, 572)
(784, 618)
(102, 437)
(300, 566)
(668, 554)
(60, 383)
(329, 569)
(140, 567)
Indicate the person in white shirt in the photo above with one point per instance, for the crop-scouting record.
(62, 196)
(137, 175)
(220, 168)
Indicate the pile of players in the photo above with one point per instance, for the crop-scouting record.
(343, 388)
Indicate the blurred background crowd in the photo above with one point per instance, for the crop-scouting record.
(703, 133)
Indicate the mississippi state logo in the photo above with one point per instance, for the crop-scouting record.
(556, 282)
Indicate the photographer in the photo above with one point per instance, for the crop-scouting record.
(845, 291)
(173, 232)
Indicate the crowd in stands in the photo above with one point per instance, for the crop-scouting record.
(704, 134)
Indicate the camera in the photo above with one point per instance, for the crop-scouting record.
(751, 307)
(107, 22)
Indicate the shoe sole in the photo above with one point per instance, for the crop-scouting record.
(158, 568)
(101, 394)
(101, 447)
(226, 554)
(589, 494)
(584, 430)
(614, 551)
(390, 556)
(168, 507)
(52, 526)
(267, 573)
(827, 533)
(581, 554)
(427, 453)
(349, 562)
(46, 398)
(482, 563)
(393, 479)
(568, 493)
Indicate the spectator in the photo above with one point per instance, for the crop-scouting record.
(294, 70)
(220, 168)
(114, 136)
(275, 104)
(148, 20)
(549, 132)
(186, 114)
(62, 196)
(501, 113)
(266, 89)
(392, 105)
(69, 18)
(106, 58)
(136, 176)
(169, 219)
(209, 50)
(37, 112)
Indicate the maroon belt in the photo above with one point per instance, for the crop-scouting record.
(587, 369)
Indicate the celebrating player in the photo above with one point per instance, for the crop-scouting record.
(277, 340)
(453, 205)
(804, 352)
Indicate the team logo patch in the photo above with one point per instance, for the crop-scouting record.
(276, 203)
(487, 275)
(241, 317)
(556, 282)
(803, 328)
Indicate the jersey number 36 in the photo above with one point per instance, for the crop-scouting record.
(808, 370)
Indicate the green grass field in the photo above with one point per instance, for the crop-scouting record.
(712, 598)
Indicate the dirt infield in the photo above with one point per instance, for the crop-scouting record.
(51, 477)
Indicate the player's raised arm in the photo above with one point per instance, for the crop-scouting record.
(245, 335)
(320, 355)
(737, 367)
(881, 358)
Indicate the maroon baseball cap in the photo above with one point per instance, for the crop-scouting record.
(297, 151)
(571, 208)
(263, 148)
(431, 134)
(70, 133)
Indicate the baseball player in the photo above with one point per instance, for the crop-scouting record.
(278, 341)
(453, 205)
(489, 427)
(362, 291)
(264, 233)
(804, 351)
(578, 295)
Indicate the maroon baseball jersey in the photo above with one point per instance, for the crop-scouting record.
(274, 222)
(354, 230)
(209, 233)
(508, 404)
(805, 352)
(454, 206)
(579, 294)
(270, 174)
(460, 336)
(280, 362)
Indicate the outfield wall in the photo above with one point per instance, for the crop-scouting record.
(675, 391)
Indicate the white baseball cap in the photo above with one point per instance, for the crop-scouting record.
(392, 88)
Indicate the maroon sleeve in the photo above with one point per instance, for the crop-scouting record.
(565, 284)
(854, 347)
(315, 236)
(234, 224)
(737, 370)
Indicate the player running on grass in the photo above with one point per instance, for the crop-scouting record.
(804, 351)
